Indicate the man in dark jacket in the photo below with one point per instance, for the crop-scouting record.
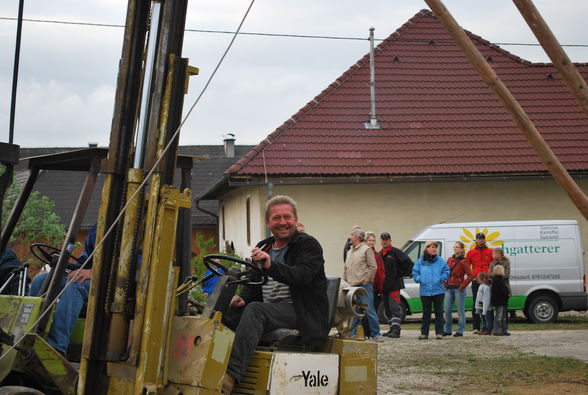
(295, 296)
(8, 264)
(396, 264)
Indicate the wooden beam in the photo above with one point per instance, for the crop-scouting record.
(558, 57)
(545, 153)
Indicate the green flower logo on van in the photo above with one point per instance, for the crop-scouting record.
(492, 239)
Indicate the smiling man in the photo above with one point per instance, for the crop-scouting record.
(294, 297)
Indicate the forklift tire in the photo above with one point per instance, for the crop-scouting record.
(18, 390)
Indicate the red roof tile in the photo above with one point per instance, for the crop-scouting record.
(437, 116)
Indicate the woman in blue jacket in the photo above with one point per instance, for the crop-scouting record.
(430, 272)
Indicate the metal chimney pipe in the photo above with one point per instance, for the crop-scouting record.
(229, 141)
(373, 123)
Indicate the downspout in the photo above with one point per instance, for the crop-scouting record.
(373, 123)
(216, 226)
(270, 194)
(207, 212)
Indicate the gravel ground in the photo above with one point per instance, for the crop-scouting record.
(414, 379)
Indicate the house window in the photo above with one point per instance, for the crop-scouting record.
(223, 221)
(248, 220)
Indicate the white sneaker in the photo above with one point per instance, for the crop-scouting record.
(378, 339)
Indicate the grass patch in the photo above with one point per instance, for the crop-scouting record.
(529, 370)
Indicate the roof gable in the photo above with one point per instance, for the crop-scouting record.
(437, 116)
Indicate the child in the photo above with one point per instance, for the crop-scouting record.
(499, 300)
(483, 307)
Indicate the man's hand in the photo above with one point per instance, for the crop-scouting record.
(84, 274)
(237, 301)
(262, 257)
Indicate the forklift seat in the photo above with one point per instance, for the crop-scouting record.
(289, 336)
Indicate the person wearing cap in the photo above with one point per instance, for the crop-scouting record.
(479, 259)
(396, 265)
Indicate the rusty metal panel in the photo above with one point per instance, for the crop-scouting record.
(159, 307)
(257, 376)
(200, 351)
(357, 365)
(180, 389)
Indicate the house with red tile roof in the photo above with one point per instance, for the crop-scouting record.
(446, 149)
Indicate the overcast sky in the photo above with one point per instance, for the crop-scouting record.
(68, 72)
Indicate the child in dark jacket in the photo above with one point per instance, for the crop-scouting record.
(499, 300)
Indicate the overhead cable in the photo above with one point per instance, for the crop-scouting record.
(283, 35)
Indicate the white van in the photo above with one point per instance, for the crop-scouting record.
(547, 269)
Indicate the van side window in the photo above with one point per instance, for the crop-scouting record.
(416, 249)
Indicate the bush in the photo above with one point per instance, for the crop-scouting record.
(206, 247)
(38, 222)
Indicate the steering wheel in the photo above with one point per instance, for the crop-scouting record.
(45, 253)
(243, 277)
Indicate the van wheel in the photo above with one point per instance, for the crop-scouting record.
(384, 319)
(542, 309)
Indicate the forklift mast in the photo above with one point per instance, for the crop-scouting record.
(135, 272)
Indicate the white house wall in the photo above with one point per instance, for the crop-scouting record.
(235, 219)
(329, 211)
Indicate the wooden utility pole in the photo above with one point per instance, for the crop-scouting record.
(558, 57)
(545, 153)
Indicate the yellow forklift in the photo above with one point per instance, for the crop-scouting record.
(139, 337)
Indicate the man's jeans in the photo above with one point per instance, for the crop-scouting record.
(66, 312)
(457, 295)
(251, 322)
(370, 312)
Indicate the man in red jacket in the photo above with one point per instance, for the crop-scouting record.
(479, 258)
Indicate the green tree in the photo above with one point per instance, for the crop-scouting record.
(206, 247)
(38, 221)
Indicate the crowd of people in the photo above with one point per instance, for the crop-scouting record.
(381, 274)
(442, 284)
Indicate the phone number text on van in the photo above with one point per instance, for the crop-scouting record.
(536, 277)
